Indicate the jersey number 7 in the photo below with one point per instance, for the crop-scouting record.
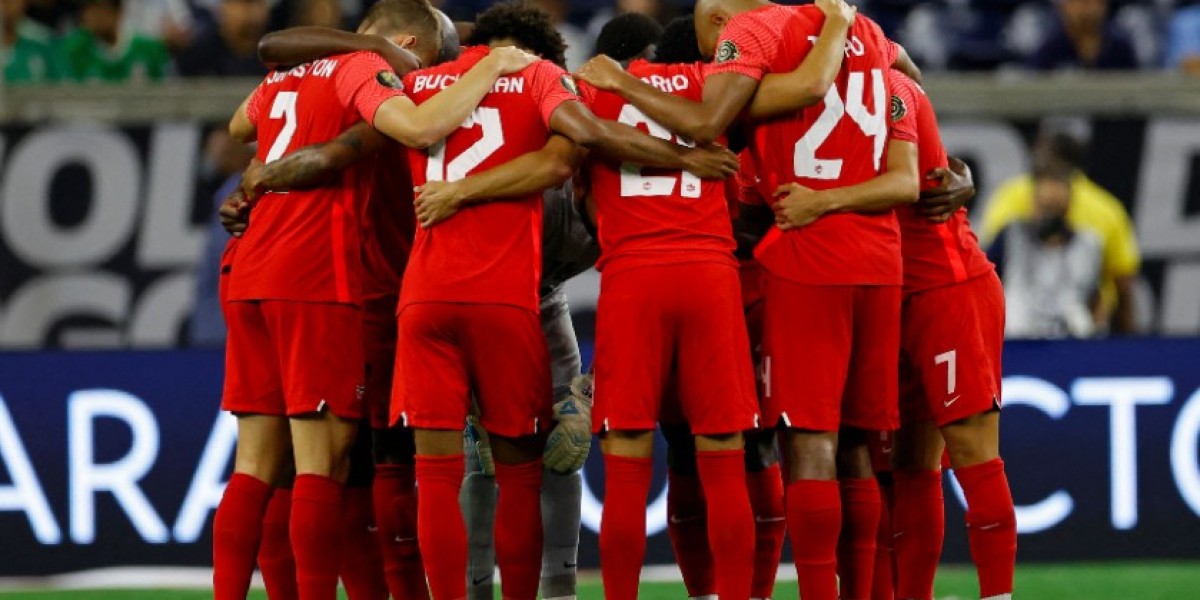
(872, 122)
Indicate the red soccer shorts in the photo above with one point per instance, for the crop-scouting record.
(293, 358)
(379, 351)
(673, 330)
(447, 351)
(952, 339)
(831, 355)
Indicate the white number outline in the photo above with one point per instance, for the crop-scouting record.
(284, 107)
(874, 124)
(633, 183)
(488, 119)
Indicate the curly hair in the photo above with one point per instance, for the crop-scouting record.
(627, 36)
(678, 44)
(525, 24)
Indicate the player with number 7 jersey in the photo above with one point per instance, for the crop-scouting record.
(669, 317)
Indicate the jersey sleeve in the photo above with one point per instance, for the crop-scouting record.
(552, 86)
(747, 47)
(904, 106)
(254, 105)
(365, 82)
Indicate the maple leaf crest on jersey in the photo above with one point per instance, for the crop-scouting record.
(389, 79)
(899, 109)
(727, 51)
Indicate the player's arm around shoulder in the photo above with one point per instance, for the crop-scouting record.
(298, 45)
(784, 93)
(314, 165)
(241, 127)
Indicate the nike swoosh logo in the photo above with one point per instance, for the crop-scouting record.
(570, 565)
(951, 401)
(678, 521)
(480, 580)
(897, 534)
(988, 527)
(400, 540)
(758, 519)
(885, 450)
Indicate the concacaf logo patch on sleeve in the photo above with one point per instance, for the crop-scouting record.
(389, 79)
(727, 51)
(899, 109)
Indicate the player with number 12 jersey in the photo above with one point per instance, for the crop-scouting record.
(669, 318)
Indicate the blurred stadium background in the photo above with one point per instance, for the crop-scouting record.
(112, 157)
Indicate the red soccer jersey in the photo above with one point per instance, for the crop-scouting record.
(305, 245)
(389, 222)
(935, 254)
(836, 143)
(745, 192)
(488, 253)
(656, 216)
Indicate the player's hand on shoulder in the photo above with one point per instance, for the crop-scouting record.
(437, 201)
(797, 207)
(602, 72)
(510, 59)
(570, 441)
(235, 213)
(711, 162)
(955, 188)
(838, 9)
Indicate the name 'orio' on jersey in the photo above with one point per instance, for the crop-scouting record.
(503, 85)
(318, 68)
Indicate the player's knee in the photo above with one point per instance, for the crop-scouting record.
(629, 444)
(718, 443)
(762, 450)
(517, 450)
(812, 455)
(853, 455)
(974, 440)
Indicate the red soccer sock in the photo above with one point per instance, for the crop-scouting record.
(237, 531)
(766, 498)
(991, 525)
(518, 529)
(440, 528)
(884, 587)
(275, 559)
(395, 495)
(814, 518)
(730, 520)
(316, 529)
(362, 565)
(687, 526)
(918, 528)
(623, 526)
(856, 547)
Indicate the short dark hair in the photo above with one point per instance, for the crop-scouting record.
(526, 24)
(628, 35)
(678, 43)
(1066, 147)
(412, 16)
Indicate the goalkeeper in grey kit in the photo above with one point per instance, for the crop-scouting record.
(568, 249)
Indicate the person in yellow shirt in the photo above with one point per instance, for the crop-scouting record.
(1092, 208)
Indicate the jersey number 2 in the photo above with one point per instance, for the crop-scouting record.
(633, 183)
(872, 122)
(488, 119)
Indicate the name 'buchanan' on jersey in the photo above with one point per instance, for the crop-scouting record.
(305, 245)
(836, 143)
(935, 254)
(488, 253)
(656, 216)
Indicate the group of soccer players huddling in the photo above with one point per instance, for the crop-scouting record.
(401, 360)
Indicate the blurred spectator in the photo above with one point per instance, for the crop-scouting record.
(1084, 39)
(579, 43)
(1183, 39)
(1091, 209)
(54, 15)
(323, 13)
(100, 50)
(230, 48)
(28, 50)
(168, 20)
(1050, 270)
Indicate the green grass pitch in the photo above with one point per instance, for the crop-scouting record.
(1093, 581)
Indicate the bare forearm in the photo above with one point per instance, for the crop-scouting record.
(424, 125)
(305, 44)
(530, 173)
(789, 92)
(881, 193)
(680, 115)
(624, 143)
(304, 168)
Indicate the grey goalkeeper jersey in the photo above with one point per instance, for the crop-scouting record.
(568, 249)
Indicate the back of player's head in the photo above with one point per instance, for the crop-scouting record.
(521, 24)
(629, 36)
(678, 43)
(414, 19)
(450, 42)
(713, 15)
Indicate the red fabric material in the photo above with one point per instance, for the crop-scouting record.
(884, 587)
(275, 559)
(395, 496)
(237, 530)
(856, 546)
(316, 530)
(623, 527)
(687, 526)
(918, 527)
(518, 529)
(440, 528)
(991, 525)
(362, 563)
(730, 520)
(814, 517)
(766, 499)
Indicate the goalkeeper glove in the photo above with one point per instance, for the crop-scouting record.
(477, 448)
(571, 439)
